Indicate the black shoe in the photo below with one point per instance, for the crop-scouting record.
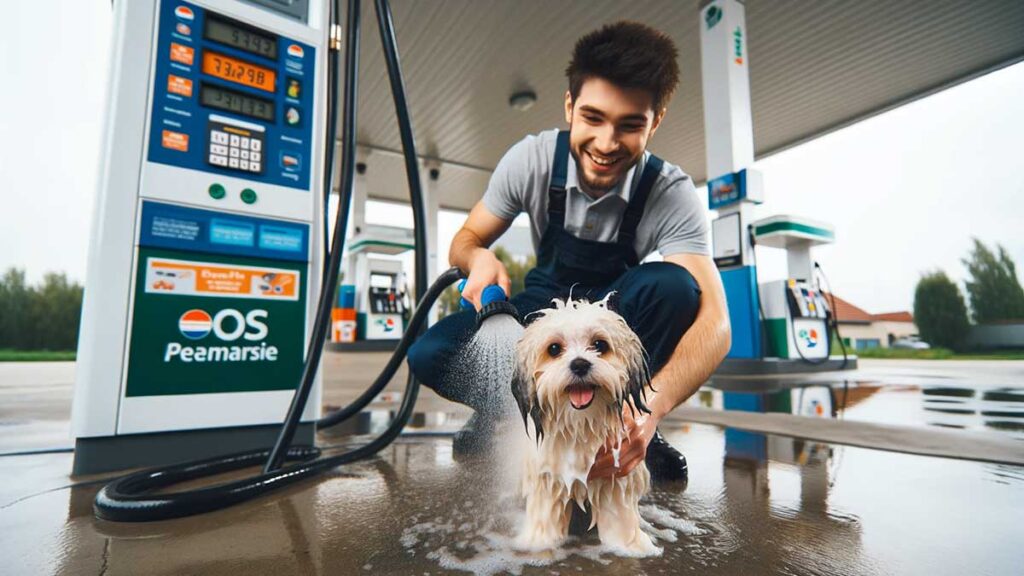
(475, 436)
(665, 463)
(579, 520)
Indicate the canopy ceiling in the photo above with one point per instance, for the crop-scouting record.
(814, 67)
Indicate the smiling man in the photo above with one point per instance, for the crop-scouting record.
(599, 204)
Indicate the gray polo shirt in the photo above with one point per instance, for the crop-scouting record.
(674, 219)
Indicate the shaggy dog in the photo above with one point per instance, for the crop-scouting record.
(577, 366)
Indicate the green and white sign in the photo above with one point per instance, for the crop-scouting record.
(212, 324)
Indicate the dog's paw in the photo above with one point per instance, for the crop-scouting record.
(537, 543)
(637, 545)
(642, 545)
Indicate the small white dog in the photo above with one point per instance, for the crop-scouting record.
(577, 366)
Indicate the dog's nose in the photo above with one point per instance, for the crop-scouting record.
(580, 366)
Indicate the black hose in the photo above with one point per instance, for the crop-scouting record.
(833, 320)
(127, 499)
(332, 129)
(412, 170)
(330, 280)
(757, 290)
(387, 35)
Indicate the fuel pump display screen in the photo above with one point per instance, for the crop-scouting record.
(231, 101)
(234, 70)
(243, 38)
(235, 99)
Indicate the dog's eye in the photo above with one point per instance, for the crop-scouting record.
(600, 345)
(554, 350)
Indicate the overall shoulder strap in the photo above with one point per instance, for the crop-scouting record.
(556, 189)
(637, 202)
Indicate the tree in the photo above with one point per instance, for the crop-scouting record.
(939, 311)
(994, 290)
(43, 317)
(449, 300)
(15, 297)
(56, 310)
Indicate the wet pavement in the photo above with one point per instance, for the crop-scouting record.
(955, 395)
(755, 503)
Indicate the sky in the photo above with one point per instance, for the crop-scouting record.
(905, 190)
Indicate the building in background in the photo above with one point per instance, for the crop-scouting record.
(861, 329)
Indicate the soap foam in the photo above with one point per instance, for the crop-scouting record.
(484, 542)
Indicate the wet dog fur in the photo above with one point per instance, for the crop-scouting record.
(577, 366)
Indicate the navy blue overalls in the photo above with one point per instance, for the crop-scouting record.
(659, 300)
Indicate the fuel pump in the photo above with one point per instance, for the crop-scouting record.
(206, 247)
(796, 320)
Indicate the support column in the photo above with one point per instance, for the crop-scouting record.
(430, 176)
(729, 146)
(357, 212)
(728, 124)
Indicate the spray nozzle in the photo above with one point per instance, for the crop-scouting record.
(493, 301)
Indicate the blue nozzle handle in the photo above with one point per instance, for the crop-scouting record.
(492, 293)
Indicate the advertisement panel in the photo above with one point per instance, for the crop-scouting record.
(206, 323)
(811, 338)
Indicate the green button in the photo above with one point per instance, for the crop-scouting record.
(249, 196)
(217, 191)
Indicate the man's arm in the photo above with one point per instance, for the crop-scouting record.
(702, 347)
(696, 356)
(469, 252)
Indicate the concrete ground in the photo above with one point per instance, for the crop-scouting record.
(35, 397)
(755, 503)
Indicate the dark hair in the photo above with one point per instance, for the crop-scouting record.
(627, 54)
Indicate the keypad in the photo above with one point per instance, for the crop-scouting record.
(234, 147)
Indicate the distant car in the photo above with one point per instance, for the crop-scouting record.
(910, 342)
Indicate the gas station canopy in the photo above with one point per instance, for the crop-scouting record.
(814, 67)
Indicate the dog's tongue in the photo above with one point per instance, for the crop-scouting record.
(580, 396)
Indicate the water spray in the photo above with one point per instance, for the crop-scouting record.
(493, 300)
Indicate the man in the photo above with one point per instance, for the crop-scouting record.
(598, 205)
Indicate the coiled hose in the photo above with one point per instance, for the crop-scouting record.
(130, 498)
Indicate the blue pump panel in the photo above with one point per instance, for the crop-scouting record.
(231, 99)
(208, 232)
(732, 188)
(741, 295)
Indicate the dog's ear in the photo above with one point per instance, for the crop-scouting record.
(639, 375)
(521, 392)
(526, 399)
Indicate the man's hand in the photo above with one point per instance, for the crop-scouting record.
(469, 252)
(638, 434)
(485, 269)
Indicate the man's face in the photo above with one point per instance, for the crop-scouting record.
(609, 128)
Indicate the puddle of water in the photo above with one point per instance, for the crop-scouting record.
(905, 401)
(754, 504)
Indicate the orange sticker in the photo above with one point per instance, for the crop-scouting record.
(188, 278)
(179, 85)
(182, 53)
(175, 141)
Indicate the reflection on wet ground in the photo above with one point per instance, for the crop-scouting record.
(754, 504)
(965, 405)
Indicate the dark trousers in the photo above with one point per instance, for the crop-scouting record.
(659, 301)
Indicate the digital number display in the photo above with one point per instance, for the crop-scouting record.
(231, 101)
(234, 70)
(241, 37)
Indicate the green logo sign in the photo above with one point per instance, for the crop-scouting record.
(211, 324)
(737, 36)
(712, 16)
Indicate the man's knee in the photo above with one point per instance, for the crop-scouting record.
(666, 286)
(429, 355)
(418, 358)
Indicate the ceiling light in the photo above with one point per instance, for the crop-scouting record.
(523, 101)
